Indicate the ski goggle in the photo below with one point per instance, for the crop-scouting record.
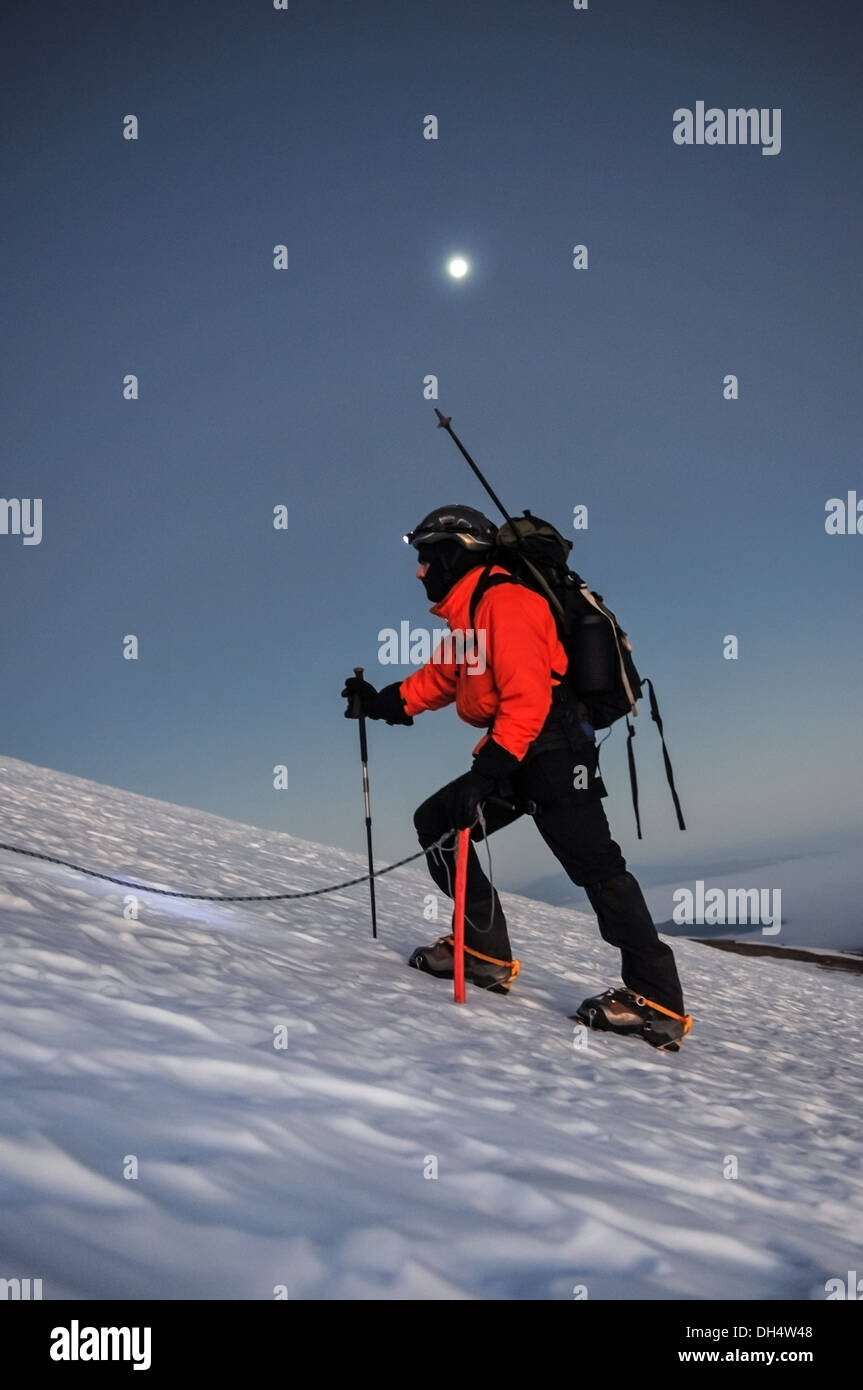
(470, 539)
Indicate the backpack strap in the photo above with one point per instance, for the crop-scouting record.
(486, 581)
(669, 771)
(633, 778)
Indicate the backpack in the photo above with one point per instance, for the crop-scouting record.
(601, 671)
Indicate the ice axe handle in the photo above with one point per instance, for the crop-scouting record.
(461, 863)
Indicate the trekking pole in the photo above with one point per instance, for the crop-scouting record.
(364, 758)
(444, 422)
(458, 916)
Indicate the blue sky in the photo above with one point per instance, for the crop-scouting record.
(305, 387)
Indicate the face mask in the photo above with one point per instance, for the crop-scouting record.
(447, 562)
(436, 582)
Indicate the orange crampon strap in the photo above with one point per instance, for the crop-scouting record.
(685, 1019)
(515, 965)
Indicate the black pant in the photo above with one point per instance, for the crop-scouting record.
(572, 821)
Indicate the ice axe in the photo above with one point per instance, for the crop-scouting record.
(462, 851)
(459, 891)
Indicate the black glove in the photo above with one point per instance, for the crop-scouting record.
(375, 704)
(361, 698)
(491, 765)
(468, 793)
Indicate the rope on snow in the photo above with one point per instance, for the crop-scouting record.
(230, 898)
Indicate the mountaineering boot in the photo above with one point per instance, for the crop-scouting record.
(624, 1011)
(647, 963)
(482, 971)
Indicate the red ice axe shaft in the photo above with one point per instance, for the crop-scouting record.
(461, 860)
(458, 917)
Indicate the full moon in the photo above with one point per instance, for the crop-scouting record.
(458, 267)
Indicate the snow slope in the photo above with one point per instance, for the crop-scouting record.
(304, 1167)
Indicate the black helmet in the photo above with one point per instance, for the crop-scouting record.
(455, 523)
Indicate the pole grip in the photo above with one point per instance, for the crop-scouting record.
(358, 714)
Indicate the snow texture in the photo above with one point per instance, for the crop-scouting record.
(557, 1166)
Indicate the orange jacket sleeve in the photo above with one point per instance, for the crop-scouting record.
(521, 643)
(431, 687)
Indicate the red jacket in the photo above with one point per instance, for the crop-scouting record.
(511, 697)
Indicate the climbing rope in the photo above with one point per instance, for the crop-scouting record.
(234, 897)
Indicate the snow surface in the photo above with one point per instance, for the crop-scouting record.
(557, 1167)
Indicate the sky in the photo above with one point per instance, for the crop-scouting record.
(305, 387)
